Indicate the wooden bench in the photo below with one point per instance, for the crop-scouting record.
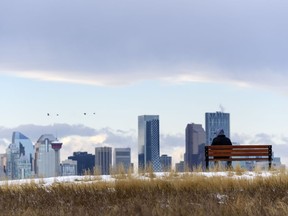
(238, 153)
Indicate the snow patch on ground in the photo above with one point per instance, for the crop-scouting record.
(160, 175)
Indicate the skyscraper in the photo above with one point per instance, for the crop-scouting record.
(46, 162)
(20, 157)
(195, 139)
(122, 157)
(215, 121)
(148, 142)
(103, 159)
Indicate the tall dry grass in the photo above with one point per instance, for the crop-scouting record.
(175, 194)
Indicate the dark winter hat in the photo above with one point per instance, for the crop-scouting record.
(219, 132)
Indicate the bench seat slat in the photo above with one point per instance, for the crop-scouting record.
(238, 146)
(240, 159)
(237, 154)
(242, 150)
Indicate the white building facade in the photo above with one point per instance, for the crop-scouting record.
(45, 157)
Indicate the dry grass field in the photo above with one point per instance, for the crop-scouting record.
(172, 194)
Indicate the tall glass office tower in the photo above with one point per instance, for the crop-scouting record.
(215, 121)
(20, 157)
(148, 142)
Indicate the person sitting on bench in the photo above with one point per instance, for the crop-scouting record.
(221, 139)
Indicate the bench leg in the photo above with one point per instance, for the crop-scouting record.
(206, 158)
(229, 165)
(207, 165)
(270, 163)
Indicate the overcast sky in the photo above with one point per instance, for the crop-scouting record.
(121, 59)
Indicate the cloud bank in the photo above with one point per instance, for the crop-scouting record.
(121, 42)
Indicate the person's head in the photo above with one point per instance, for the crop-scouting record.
(219, 132)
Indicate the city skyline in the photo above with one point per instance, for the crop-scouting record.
(95, 66)
(152, 124)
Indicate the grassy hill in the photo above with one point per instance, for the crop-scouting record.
(191, 193)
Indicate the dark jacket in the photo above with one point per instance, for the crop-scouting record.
(221, 140)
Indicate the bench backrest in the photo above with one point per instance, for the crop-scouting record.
(238, 153)
(239, 150)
